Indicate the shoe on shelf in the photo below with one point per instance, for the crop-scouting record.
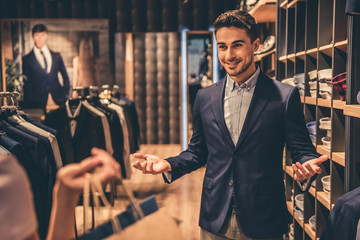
(268, 44)
(250, 4)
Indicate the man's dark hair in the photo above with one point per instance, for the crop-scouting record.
(39, 28)
(239, 19)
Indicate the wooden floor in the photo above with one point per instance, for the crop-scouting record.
(181, 198)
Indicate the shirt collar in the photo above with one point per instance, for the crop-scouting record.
(77, 111)
(44, 49)
(248, 84)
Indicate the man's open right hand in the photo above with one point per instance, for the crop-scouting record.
(152, 164)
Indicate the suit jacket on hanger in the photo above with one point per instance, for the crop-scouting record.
(251, 169)
(116, 133)
(39, 172)
(89, 132)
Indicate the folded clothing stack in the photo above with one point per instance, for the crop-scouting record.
(311, 126)
(325, 124)
(299, 80)
(313, 82)
(325, 86)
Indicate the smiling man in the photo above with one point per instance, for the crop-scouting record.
(241, 124)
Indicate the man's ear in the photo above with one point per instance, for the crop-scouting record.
(256, 44)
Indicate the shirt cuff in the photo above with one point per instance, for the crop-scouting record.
(168, 176)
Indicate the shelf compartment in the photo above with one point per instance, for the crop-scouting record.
(312, 52)
(312, 191)
(338, 104)
(327, 49)
(339, 157)
(264, 11)
(324, 102)
(291, 57)
(284, 4)
(282, 59)
(302, 99)
(261, 56)
(324, 199)
(310, 100)
(301, 223)
(300, 55)
(341, 45)
(289, 171)
(322, 150)
(352, 110)
(311, 233)
(290, 207)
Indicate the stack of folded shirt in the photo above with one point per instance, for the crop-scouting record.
(311, 126)
(313, 83)
(299, 80)
(289, 81)
(325, 86)
(325, 124)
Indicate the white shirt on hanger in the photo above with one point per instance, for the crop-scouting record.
(106, 126)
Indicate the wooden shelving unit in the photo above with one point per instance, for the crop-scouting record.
(312, 191)
(290, 207)
(312, 35)
(324, 199)
(312, 52)
(264, 11)
(323, 150)
(302, 99)
(324, 102)
(338, 104)
(310, 231)
(327, 49)
(310, 100)
(339, 157)
(289, 171)
(342, 45)
(352, 110)
(284, 4)
(261, 56)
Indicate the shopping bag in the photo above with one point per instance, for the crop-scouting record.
(138, 221)
(158, 225)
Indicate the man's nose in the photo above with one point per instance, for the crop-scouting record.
(230, 54)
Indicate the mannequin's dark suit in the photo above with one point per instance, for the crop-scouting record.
(38, 83)
(252, 169)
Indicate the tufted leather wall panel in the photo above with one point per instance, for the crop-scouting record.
(156, 86)
(162, 77)
(174, 91)
(140, 82)
(151, 89)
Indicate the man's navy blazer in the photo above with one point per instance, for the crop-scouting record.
(252, 169)
(38, 83)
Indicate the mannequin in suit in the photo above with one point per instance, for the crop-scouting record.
(241, 125)
(41, 67)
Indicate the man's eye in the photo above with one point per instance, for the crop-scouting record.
(237, 45)
(221, 47)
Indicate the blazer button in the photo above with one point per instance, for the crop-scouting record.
(231, 183)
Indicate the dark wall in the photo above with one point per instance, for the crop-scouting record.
(125, 15)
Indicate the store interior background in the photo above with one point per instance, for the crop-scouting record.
(147, 51)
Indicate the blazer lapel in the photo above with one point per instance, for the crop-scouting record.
(217, 97)
(262, 94)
